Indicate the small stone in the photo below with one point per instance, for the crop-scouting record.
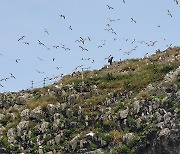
(11, 134)
(25, 114)
(136, 106)
(23, 125)
(36, 113)
(164, 132)
(51, 109)
(123, 114)
(127, 138)
(57, 139)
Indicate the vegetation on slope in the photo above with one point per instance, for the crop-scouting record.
(122, 105)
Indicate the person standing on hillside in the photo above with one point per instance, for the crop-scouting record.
(110, 60)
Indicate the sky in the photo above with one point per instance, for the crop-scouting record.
(124, 30)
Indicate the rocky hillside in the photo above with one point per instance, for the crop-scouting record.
(132, 106)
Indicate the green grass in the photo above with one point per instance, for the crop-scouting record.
(5, 119)
(42, 101)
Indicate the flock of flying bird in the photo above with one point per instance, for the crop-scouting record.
(81, 42)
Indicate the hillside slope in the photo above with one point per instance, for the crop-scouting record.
(132, 106)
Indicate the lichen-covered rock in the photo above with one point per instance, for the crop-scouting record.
(1, 116)
(25, 114)
(36, 113)
(127, 138)
(43, 127)
(57, 139)
(11, 134)
(136, 106)
(22, 126)
(69, 112)
(164, 132)
(74, 142)
(172, 75)
(21, 100)
(123, 114)
(98, 151)
(51, 109)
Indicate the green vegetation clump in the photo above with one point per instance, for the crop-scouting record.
(41, 101)
(126, 150)
(4, 120)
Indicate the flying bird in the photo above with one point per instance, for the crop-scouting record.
(56, 46)
(4, 79)
(40, 43)
(62, 16)
(82, 40)
(109, 7)
(40, 59)
(57, 67)
(111, 20)
(70, 27)
(80, 66)
(78, 41)
(108, 25)
(108, 57)
(113, 32)
(153, 43)
(40, 72)
(12, 76)
(21, 38)
(169, 13)
(26, 43)
(100, 46)
(115, 39)
(89, 38)
(85, 59)
(110, 29)
(128, 52)
(176, 1)
(132, 20)
(46, 31)
(65, 48)
(133, 41)
(83, 49)
(17, 60)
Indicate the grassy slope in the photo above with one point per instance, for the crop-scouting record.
(130, 76)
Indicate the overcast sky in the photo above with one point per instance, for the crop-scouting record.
(124, 30)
